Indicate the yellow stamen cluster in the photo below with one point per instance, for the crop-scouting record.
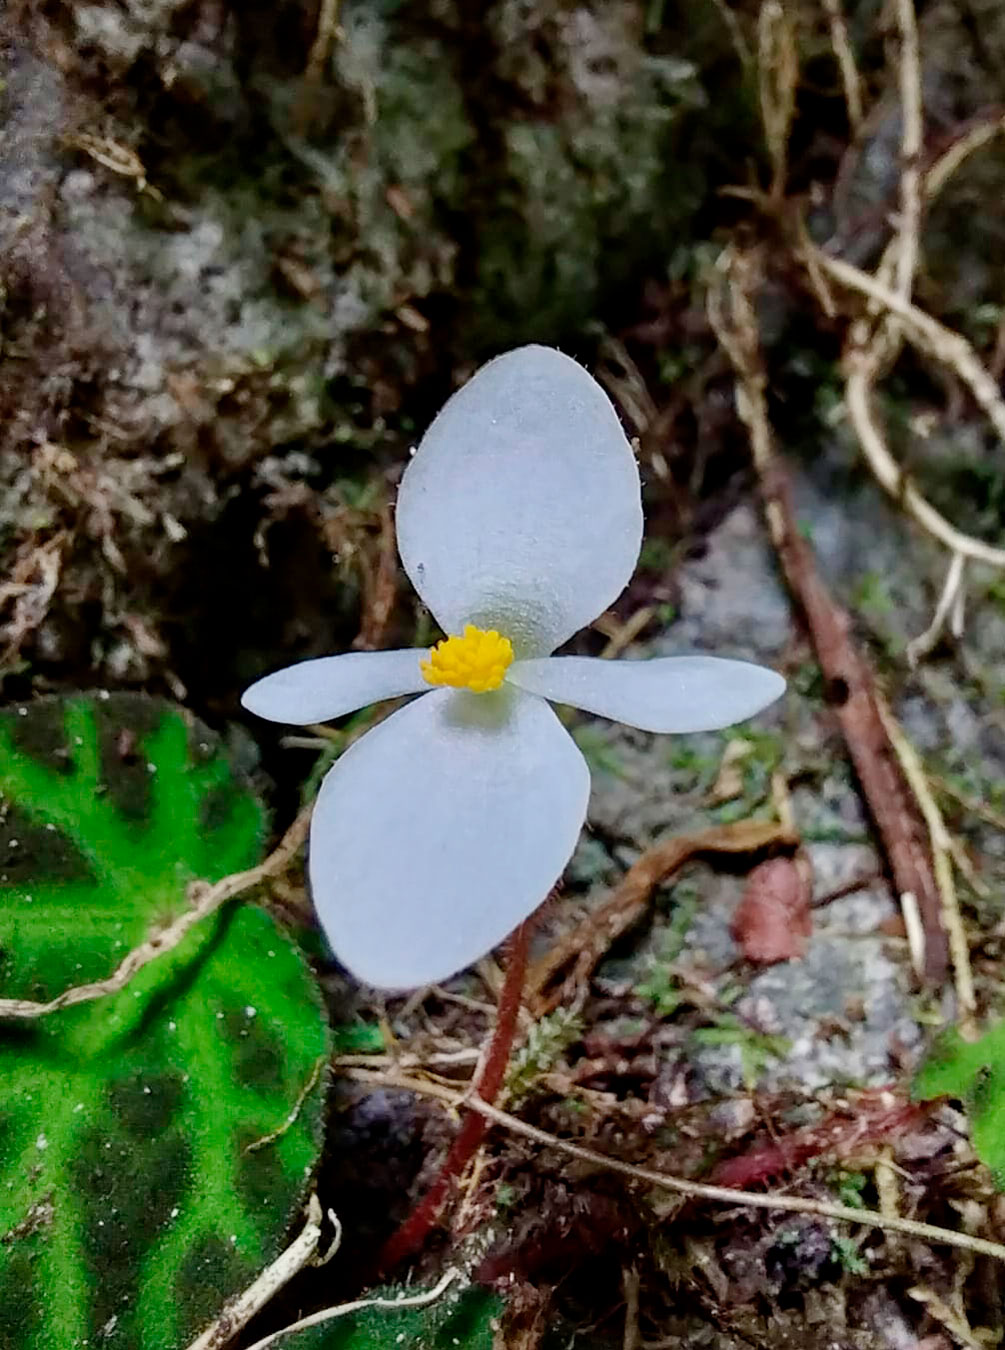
(477, 661)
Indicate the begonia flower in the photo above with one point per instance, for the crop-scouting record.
(519, 521)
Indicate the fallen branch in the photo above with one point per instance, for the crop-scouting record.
(692, 1190)
(891, 803)
(206, 900)
(571, 961)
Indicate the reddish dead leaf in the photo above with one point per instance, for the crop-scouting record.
(773, 919)
(874, 1120)
(564, 970)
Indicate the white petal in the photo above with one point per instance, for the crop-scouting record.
(315, 691)
(522, 509)
(673, 693)
(442, 829)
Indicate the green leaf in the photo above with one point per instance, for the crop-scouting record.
(358, 1038)
(467, 1320)
(155, 1144)
(973, 1071)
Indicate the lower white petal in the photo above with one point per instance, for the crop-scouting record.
(316, 691)
(673, 693)
(442, 829)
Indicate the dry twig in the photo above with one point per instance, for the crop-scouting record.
(901, 828)
(943, 854)
(692, 1190)
(326, 35)
(238, 1312)
(206, 900)
(970, 804)
(564, 970)
(631, 1283)
(975, 137)
(911, 140)
(846, 63)
(345, 1309)
(874, 345)
(777, 73)
(950, 607)
(932, 337)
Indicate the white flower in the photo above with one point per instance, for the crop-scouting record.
(519, 521)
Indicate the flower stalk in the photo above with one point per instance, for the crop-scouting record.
(408, 1239)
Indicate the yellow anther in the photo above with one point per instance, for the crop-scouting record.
(477, 661)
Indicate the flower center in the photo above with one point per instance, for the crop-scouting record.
(477, 661)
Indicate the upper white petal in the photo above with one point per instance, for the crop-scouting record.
(315, 691)
(442, 829)
(522, 508)
(673, 693)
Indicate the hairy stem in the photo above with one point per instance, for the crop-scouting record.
(416, 1227)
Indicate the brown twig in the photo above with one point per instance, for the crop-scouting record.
(943, 855)
(847, 888)
(292, 1115)
(874, 340)
(206, 900)
(693, 1190)
(414, 1231)
(857, 1128)
(893, 807)
(932, 337)
(974, 136)
(570, 962)
(846, 63)
(911, 141)
(239, 1311)
(777, 74)
(325, 37)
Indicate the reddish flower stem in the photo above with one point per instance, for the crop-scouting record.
(413, 1232)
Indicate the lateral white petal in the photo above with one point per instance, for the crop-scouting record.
(442, 829)
(316, 691)
(673, 693)
(522, 508)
